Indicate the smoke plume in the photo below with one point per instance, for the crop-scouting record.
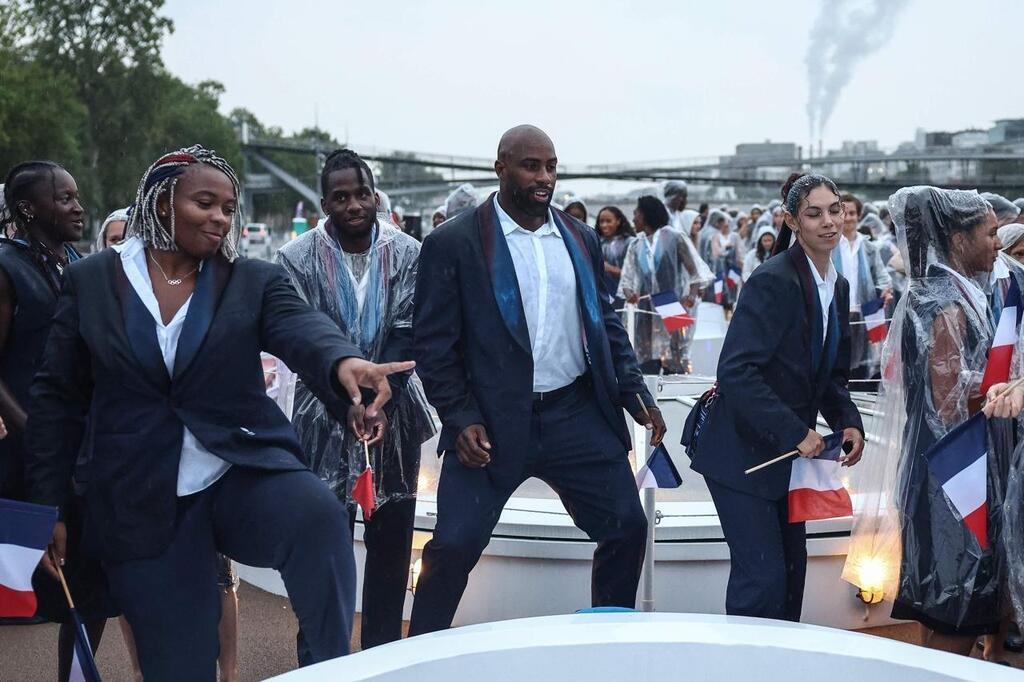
(845, 32)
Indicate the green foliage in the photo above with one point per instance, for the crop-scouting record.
(82, 83)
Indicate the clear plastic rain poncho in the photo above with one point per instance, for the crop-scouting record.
(462, 198)
(120, 215)
(1006, 210)
(908, 542)
(666, 261)
(323, 276)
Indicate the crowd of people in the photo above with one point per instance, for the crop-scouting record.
(134, 384)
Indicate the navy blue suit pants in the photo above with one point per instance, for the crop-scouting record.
(768, 554)
(286, 520)
(575, 451)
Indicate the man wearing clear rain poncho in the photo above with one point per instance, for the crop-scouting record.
(361, 271)
(908, 542)
(659, 260)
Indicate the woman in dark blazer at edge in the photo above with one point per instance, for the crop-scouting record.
(784, 360)
(158, 341)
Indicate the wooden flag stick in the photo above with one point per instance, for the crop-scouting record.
(366, 448)
(644, 408)
(1012, 385)
(63, 583)
(762, 465)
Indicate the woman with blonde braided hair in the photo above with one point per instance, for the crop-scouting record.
(158, 340)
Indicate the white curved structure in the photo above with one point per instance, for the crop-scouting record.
(648, 646)
(539, 564)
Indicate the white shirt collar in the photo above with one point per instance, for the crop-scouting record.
(129, 247)
(855, 242)
(831, 277)
(508, 225)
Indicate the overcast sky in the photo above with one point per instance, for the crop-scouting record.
(609, 81)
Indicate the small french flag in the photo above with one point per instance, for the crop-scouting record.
(815, 490)
(1000, 355)
(734, 277)
(659, 471)
(874, 318)
(959, 463)
(672, 312)
(25, 532)
(719, 290)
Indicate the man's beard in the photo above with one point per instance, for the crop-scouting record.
(524, 201)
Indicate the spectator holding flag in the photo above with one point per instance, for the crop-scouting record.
(661, 260)
(857, 259)
(943, 465)
(785, 359)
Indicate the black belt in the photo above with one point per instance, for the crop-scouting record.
(557, 393)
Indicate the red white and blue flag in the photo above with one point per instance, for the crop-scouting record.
(874, 320)
(734, 277)
(672, 312)
(959, 464)
(997, 370)
(815, 490)
(719, 289)
(658, 471)
(25, 532)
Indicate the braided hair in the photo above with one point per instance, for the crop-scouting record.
(18, 187)
(340, 159)
(14, 223)
(162, 178)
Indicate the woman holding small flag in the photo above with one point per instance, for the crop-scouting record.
(660, 261)
(784, 360)
(934, 494)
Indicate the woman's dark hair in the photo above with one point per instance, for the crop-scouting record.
(654, 212)
(625, 228)
(18, 186)
(340, 159)
(762, 253)
(795, 190)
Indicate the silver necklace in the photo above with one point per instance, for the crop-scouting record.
(176, 281)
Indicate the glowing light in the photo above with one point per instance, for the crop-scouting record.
(871, 577)
(414, 571)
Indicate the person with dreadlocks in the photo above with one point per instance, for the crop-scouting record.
(41, 219)
(360, 270)
(158, 340)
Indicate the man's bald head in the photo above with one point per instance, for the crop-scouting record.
(517, 140)
(526, 168)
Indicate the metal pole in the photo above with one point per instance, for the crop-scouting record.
(650, 510)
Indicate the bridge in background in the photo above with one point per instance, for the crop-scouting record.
(876, 174)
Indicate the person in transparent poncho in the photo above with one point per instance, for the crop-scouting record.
(661, 260)
(361, 270)
(932, 366)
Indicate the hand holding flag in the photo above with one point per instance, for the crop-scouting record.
(815, 490)
(363, 492)
(658, 471)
